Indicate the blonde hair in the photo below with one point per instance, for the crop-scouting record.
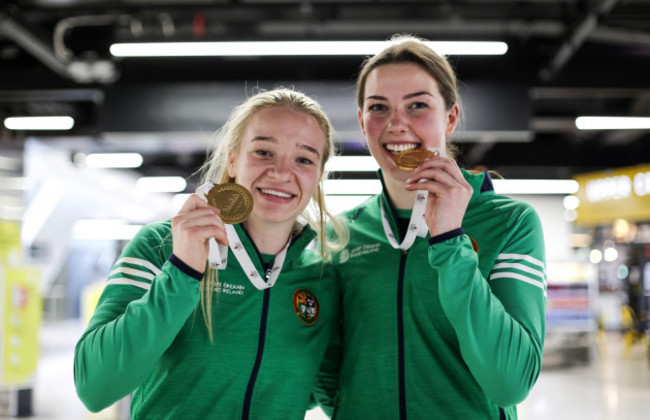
(410, 49)
(215, 170)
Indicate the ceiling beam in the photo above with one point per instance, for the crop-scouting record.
(576, 39)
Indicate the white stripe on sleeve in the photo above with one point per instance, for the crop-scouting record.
(139, 261)
(129, 282)
(522, 257)
(132, 271)
(509, 275)
(521, 267)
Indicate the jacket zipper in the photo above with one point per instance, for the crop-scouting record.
(258, 358)
(400, 335)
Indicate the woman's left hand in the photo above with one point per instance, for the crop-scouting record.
(449, 193)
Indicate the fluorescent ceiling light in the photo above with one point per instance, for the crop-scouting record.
(161, 184)
(535, 186)
(340, 203)
(351, 187)
(113, 160)
(266, 48)
(104, 230)
(613, 123)
(10, 163)
(366, 187)
(39, 123)
(14, 183)
(11, 212)
(352, 164)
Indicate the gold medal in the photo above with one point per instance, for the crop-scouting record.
(409, 160)
(234, 201)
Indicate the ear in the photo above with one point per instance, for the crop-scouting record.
(452, 119)
(232, 172)
(360, 117)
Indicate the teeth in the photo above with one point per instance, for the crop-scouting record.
(396, 148)
(276, 193)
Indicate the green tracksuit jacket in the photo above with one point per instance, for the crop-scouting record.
(147, 335)
(453, 327)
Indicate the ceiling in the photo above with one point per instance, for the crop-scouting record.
(566, 58)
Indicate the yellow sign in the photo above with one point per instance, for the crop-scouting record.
(622, 193)
(20, 311)
(9, 240)
(21, 320)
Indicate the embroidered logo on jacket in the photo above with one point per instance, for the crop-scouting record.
(306, 306)
(229, 289)
(358, 251)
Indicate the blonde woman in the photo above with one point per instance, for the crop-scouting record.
(191, 342)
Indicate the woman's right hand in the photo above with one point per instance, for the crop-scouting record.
(195, 223)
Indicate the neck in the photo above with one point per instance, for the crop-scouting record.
(400, 198)
(269, 238)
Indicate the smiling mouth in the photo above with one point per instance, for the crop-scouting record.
(276, 193)
(402, 147)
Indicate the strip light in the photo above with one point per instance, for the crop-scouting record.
(170, 184)
(613, 123)
(340, 203)
(343, 194)
(302, 48)
(113, 160)
(535, 186)
(351, 164)
(104, 229)
(351, 187)
(39, 123)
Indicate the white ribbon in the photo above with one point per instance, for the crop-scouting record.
(417, 224)
(215, 250)
(247, 265)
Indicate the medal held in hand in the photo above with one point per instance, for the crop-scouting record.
(234, 201)
(410, 159)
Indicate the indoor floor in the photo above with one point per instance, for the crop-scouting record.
(615, 385)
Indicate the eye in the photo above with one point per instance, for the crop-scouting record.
(305, 161)
(377, 107)
(419, 105)
(263, 153)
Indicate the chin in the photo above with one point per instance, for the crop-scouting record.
(396, 173)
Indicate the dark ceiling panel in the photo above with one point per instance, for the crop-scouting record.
(566, 58)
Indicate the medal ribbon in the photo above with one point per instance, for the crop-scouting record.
(247, 264)
(216, 250)
(417, 225)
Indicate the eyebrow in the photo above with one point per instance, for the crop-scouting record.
(310, 149)
(301, 146)
(407, 96)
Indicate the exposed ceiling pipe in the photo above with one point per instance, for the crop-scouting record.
(12, 30)
(80, 71)
(62, 27)
(576, 39)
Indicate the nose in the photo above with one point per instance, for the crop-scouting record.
(281, 170)
(397, 122)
